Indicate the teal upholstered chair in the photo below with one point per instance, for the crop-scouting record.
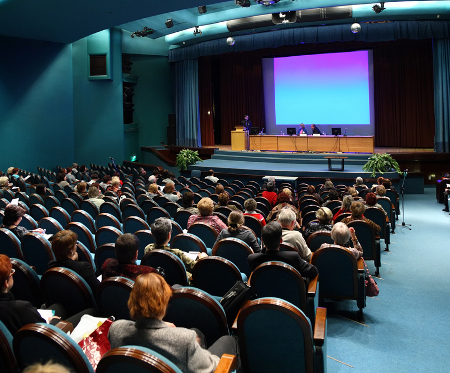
(37, 250)
(84, 218)
(102, 253)
(188, 242)
(145, 238)
(194, 308)
(174, 270)
(182, 217)
(341, 276)
(10, 244)
(8, 363)
(133, 224)
(107, 220)
(35, 343)
(236, 251)
(84, 235)
(27, 284)
(280, 280)
(107, 235)
(378, 217)
(276, 336)
(316, 239)
(112, 297)
(205, 232)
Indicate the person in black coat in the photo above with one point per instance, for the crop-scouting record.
(315, 130)
(246, 123)
(272, 237)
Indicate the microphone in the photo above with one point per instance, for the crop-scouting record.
(345, 132)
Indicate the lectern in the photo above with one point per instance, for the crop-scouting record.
(239, 139)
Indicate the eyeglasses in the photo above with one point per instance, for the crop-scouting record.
(12, 272)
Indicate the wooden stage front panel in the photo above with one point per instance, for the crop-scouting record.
(282, 143)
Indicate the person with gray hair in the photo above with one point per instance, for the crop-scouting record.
(359, 182)
(288, 222)
(345, 207)
(162, 233)
(325, 216)
(272, 237)
(341, 235)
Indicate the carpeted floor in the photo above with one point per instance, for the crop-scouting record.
(406, 327)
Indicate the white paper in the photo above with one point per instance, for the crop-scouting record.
(46, 314)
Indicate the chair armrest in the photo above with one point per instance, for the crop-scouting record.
(312, 287)
(360, 263)
(320, 327)
(65, 326)
(234, 326)
(226, 364)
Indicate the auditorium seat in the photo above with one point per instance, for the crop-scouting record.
(174, 270)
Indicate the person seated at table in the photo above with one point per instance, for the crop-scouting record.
(81, 190)
(345, 207)
(371, 201)
(162, 233)
(15, 313)
(271, 235)
(250, 209)
(269, 194)
(291, 233)
(95, 196)
(325, 224)
(13, 217)
(223, 202)
(235, 229)
(315, 130)
(124, 264)
(302, 130)
(185, 348)
(206, 207)
(170, 193)
(283, 201)
(188, 203)
(357, 209)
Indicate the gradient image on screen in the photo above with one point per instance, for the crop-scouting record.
(330, 88)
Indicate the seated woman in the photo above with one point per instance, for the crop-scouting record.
(282, 202)
(223, 202)
(184, 347)
(380, 191)
(270, 195)
(354, 193)
(206, 208)
(219, 189)
(235, 229)
(41, 190)
(81, 190)
(333, 195)
(311, 191)
(325, 217)
(371, 201)
(359, 182)
(95, 196)
(345, 207)
(153, 190)
(115, 186)
(188, 203)
(357, 209)
(250, 207)
(64, 246)
(4, 183)
(13, 217)
(61, 180)
(288, 192)
(170, 193)
(106, 182)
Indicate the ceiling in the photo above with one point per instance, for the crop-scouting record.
(65, 22)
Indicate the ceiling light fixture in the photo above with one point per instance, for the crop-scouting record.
(377, 8)
(141, 33)
(197, 31)
(169, 23)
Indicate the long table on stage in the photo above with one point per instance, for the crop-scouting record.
(284, 143)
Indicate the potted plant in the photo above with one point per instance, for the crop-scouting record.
(380, 163)
(187, 157)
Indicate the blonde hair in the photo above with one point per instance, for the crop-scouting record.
(115, 181)
(287, 191)
(153, 188)
(324, 214)
(49, 367)
(205, 206)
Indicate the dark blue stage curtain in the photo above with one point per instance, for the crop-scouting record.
(441, 58)
(186, 103)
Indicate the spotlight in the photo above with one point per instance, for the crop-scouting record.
(356, 27)
(242, 3)
(169, 23)
(377, 8)
(141, 33)
(202, 9)
(230, 41)
(267, 2)
(197, 31)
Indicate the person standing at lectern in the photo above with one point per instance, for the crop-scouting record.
(302, 130)
(315, 129)
(246, 123)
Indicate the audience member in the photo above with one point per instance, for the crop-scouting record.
(311, 191)
(162, 233)
(283, 201)
(124, 264)
(170, 193)
(371, 201)
(223, 202)
(211, 177)
(188, 203)
(206, 208)
(13, 217)
(4, 183)
(69, 177)
(148, 304)
(359, 182)
(153, 190)
(270, 195)
(325, 216)
(272, 237)
(81, 190)
(61, 180)
(380, 191)
(250, 209)
(64, 247)
(235, 229)
(327, 186)
(219, 189)
(48, 367)
(95, 196)
(41, 190)
(333, 195)
(357, 208)
(94, 179)
(288, 222)
(345, 207)
(354, 193)
(341, 235)
(106, 182)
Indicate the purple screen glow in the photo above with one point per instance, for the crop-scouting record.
(328, 88)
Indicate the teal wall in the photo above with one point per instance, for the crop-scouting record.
(153, 99)
(36, 112)
(98, 107)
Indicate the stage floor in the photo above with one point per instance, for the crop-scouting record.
(377, 149)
